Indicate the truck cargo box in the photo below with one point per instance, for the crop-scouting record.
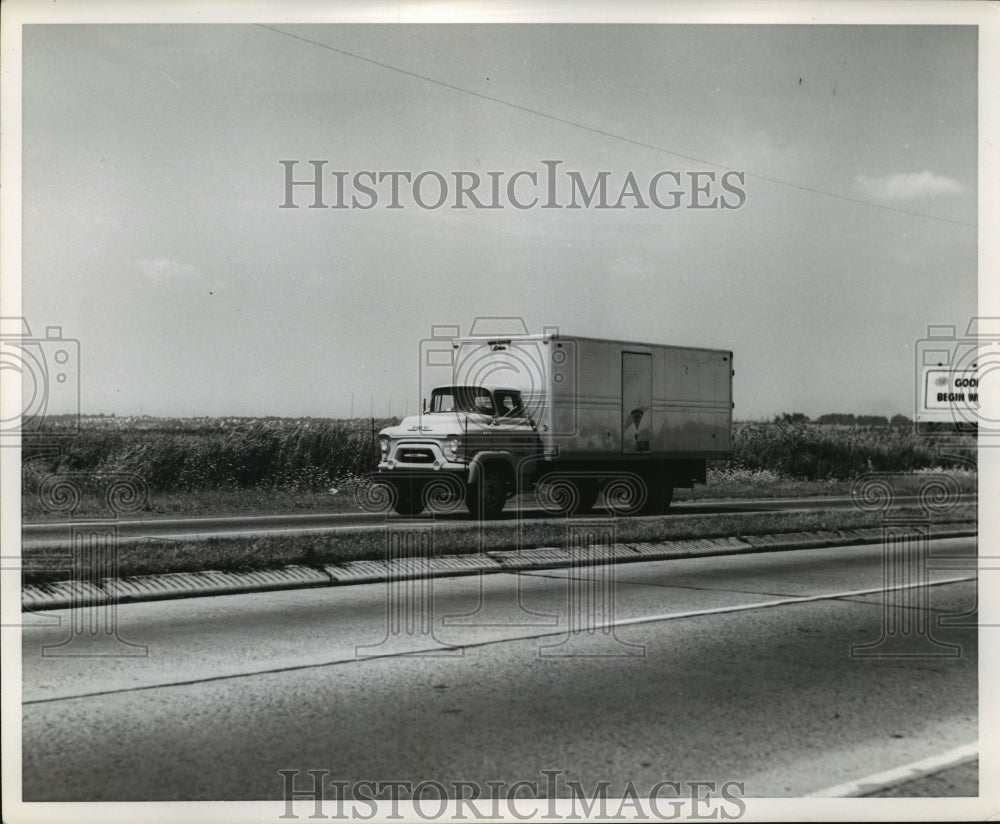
(592, 398)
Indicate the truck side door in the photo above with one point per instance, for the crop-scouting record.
(637, 401)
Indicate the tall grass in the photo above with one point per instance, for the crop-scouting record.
(814, 452)
(303, 454)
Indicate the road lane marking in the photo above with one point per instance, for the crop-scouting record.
(900, 775)
(548, 633)
(795, 599)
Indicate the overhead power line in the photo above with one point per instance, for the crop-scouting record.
(604, 133)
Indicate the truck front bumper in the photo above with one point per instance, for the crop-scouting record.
(416, 458)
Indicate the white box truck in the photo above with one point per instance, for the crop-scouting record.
(568, 417)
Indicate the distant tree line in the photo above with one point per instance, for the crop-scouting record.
(844, 419)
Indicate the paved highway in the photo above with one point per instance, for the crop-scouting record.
(39, 534)
(734, 668)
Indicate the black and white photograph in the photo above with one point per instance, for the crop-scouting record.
(446, 412)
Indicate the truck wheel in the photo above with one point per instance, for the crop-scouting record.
(587, 492)
(560, 495)
(658, 500)
(485, 498)
(626, 493)
(409, 500)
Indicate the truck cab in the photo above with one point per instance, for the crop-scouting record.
(464, 447)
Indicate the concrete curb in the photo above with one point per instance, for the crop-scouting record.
(69, 594)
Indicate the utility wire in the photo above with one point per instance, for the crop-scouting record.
(604, 133)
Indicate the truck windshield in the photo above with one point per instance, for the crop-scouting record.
(462, 399)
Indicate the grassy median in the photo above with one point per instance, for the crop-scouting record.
(452, 538)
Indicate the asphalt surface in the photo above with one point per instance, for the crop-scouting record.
(55, 533)
(734, 668)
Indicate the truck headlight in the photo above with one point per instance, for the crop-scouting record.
(454, 444)
(383, 444)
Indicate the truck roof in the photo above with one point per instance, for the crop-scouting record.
(547, 336)
(488, 385)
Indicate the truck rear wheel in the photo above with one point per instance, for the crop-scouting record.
(587, 492)
(485, 498)
(657, 500)
(561, 495)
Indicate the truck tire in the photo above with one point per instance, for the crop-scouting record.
(587, 492)
(565, 495)
(658, 500)
(485, 498)
(409, 500)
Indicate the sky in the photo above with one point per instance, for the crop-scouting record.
(153, 231)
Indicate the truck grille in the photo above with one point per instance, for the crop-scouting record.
(413, 454)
